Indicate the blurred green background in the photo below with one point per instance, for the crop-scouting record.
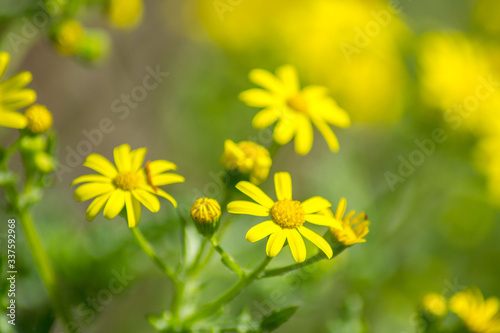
(435, 232)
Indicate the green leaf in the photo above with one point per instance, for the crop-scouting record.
(277, 318)
(159, 322)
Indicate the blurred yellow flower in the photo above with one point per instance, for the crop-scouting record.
(435, 304)
(247, 157)
(293, 109)
(478, 314)
(287, 217)
(128, 185)
(353, 230)
(14, 96)
(125, 13)
(352, 47)
(39, 118)
(488, 161)
(67, 36)
(456, 78)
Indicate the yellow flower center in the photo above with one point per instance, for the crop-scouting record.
(288, 214)
(298, 103)
(39, 118)
(126, 180)
(205, 210)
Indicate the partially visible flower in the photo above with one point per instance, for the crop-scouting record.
(293, 109)
(287, 217)
(354, 228)
(67, 36)
(435, 304)
(14, 96)
(478, 314)
(125, 13)
(128, 185)
(248, 158)
(206, 213)
(39, 119)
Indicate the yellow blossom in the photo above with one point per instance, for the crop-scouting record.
(354, 228)
(287, 217)
(128, 185)
(294, 110)
(478, 314)
(39, 118)
(125, 13)
(14, 96)
(248, 158)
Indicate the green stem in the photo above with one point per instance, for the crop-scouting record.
(45, 269)
(146, 247)
(211, 308)
(193, 267)
(285, 269)
(226, 259)
(273, 149)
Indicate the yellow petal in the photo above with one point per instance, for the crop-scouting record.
(96, 206)
(304, 136)
(4, 62)
(161, 193)
(115, 204)
(246, 207)
(324, 220)
(12, 119)
(315, 204)
(327, 133)
(91, 179)
(265, 118)
(333, 114)
(284, 130)
(267, 80)
(18, 98)
(275, 243)
(261, 230)
(288, 76)
(100, 164)
(122, 157)
(133, 210)
(137, 158)
(283, 184)
(255, 193)
(341, 209)
(91, 190)
(313, 93)
(17, 81)
(316, 240)
(166, 178)
(150, 201)
(257, 98)
(297, 245)
(159, 166)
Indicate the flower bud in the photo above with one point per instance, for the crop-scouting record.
(44, 162)
(248, 158)
(206, 213)
(39, 119)
(94, 45)
(31, 144)
(67, 35)
(434, 304)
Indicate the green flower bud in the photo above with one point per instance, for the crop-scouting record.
(44, 162)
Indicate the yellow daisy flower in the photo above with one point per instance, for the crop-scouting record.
(287, 217)
(478, 314)
(293, 109)
(354, 229)
(128, 185)
(125, 14)
(14, 96)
